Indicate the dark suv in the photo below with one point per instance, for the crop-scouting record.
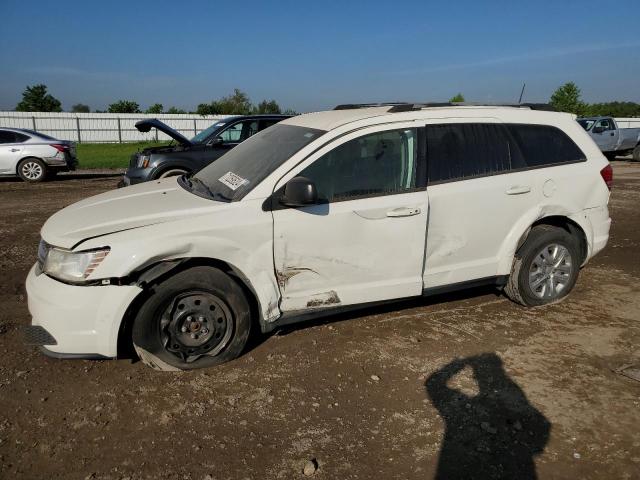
(186, 155)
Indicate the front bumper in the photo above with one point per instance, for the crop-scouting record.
(83, 320)
(136, 175)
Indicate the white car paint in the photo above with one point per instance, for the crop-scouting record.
(33, 145)
(293, 260)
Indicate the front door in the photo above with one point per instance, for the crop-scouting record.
(366, 241)
(607, 138)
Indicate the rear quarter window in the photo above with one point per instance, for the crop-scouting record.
(544, 145)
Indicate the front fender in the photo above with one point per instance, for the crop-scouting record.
(245, 243)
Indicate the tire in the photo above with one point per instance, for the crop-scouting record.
(636, 154)
(172, 172)
(32, 170)
(197, 318)
(536, 277)
(611, 156)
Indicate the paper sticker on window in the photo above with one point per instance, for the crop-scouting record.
(232, 180)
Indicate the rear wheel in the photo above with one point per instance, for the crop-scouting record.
(545, 268)
(32, 170)
(197, 318)
(172, 172)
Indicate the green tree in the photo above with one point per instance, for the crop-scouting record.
(270, 106)
(237, 103)
(567, 99)
(613, 109)
(208, 108)
(124, 106)
(80, 108)
(36, 99)
(176, 111)
(155, 108)
(290, 111)
(459, 98)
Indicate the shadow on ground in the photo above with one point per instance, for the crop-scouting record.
(495, 433)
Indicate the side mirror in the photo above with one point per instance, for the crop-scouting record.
(299, 192)
(216, 141)
(598, 129)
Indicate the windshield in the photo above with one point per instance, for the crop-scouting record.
(586, 124)
(207, 132)
(237, 172)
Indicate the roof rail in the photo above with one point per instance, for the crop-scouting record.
(406, 107)
(353, 106)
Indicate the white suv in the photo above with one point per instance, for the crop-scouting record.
(320, 213)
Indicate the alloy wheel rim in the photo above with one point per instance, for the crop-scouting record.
(550, 271)
(195, 324)
(32, 170)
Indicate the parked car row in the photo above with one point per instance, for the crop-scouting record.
(320, 213)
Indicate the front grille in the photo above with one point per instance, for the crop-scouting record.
(37, 335)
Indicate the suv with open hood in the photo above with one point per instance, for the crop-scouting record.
(186, 156)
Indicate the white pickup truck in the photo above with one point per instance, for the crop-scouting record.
(612, 138)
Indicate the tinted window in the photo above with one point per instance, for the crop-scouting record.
(267, 123)
(6, 137)
(464, 150)
(20, 137)
(377, 164)
(545, 145)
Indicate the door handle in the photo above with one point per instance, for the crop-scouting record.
(612, 134)
(15, 149)
(518, 190)
(403, 212)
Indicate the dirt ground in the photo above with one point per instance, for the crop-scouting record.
(458, 386)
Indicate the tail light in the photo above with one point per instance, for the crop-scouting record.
(60, 147)
(607, 176)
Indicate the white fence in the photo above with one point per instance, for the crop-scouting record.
(104, 127)
(628, 122)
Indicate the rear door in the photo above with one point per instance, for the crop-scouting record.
(475, 198)
(366, 241)
(10, 151)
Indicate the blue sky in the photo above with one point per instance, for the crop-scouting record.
(313, 55)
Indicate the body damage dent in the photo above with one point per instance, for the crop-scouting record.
(324, 300)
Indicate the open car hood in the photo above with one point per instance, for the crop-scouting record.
(148, 124)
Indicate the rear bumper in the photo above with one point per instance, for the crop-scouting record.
(83, 321)
(600, 224)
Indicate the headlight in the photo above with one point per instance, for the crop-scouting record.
(143, 161)
(71, 266)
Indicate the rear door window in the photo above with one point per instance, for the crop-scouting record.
(458, 151)
(240, 131)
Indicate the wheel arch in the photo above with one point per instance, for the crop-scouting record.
(154, 274)
(27, 157)
(565, 223)
(172, 164)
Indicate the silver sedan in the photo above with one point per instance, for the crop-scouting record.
(34, 156)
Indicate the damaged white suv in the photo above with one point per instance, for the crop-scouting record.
(320, 213)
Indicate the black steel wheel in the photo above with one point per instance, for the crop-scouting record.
(197, 318)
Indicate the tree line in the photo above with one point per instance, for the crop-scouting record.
(566, 98)
(35, 98)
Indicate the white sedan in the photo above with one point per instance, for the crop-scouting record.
(34, 156)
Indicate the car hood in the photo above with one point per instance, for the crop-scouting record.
(126, 208)
(148, 124)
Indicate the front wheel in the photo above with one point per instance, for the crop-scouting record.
(197, 318)
(32, 170)
(545, 268)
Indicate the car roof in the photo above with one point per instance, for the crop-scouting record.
(251, 117)
(331, 119)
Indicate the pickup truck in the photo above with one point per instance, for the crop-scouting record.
(611, 139)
